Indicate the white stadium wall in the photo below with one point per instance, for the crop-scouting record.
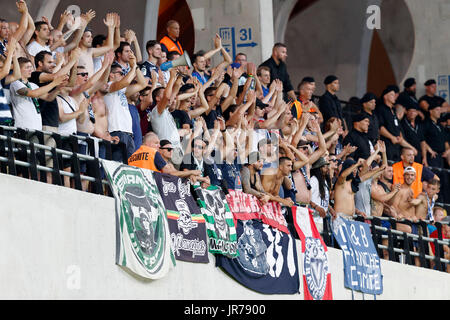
(58, 243)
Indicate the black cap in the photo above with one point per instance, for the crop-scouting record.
(429, 82)
(308, 79)
(360, 117)
(387, 90)
(433, 106)
(409, 82)
(163, 143)
(329, 79)
(368, 97)
(261, 104)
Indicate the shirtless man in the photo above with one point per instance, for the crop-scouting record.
(88, 53)
(272, 183)
(345, 189)
(305, 158)
(424, 210)
(404, 202)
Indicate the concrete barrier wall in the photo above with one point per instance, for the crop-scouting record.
(59, 243)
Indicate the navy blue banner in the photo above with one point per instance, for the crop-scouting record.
(267, 261)
(362, 271)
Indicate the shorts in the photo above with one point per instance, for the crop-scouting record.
(82, 149)
(49, 141)
(177, 157)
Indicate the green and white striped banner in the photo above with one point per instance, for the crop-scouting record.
(220, 225)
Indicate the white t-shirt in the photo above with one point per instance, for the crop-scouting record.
(34, 48)
(119, 117)
(24, 110)
(69, 127)
(164, 126)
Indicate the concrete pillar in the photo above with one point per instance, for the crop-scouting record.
(431, 59)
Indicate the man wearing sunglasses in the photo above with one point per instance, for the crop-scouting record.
(152, 156)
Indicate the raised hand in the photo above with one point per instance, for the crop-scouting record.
(110, 20)
(130, 35)
(217, 41)
(22, 6)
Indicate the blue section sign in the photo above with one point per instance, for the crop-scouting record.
(233, 38)
(443, 84)
(362, 271)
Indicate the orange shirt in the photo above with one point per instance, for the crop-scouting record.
(144, 158)
(398, 176)
(171, 45)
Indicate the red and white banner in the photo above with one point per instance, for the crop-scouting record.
(316, 271)
(245, 206)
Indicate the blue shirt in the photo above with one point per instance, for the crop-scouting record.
(137, 133)
(232, 175)
(201, 79)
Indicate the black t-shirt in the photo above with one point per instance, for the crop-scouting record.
(432, 101)
(360, 140)
(374, 128)
(181, 117)
(435, 135)
(49, 109)
(279, 71)
(388, 119)
(407, 100)
(330, 107)
(413, 135)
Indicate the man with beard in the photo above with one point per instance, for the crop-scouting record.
(278, 69)
(407, 99)
(151, 64)
(123, 54)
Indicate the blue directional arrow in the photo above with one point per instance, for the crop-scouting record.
(251, 44)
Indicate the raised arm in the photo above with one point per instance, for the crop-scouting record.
(110, 23)
(162, 105)
(23, 24)
(142, 81)
(130, 37)
(11, 48)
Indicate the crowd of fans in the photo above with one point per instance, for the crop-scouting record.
(238, 125)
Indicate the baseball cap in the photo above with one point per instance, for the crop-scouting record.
(408, 170)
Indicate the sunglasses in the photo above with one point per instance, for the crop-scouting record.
(168, 149)
(198, 146)
(83, 74)
(120, 72)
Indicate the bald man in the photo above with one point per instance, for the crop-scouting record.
(148, 157)
(170, 42)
